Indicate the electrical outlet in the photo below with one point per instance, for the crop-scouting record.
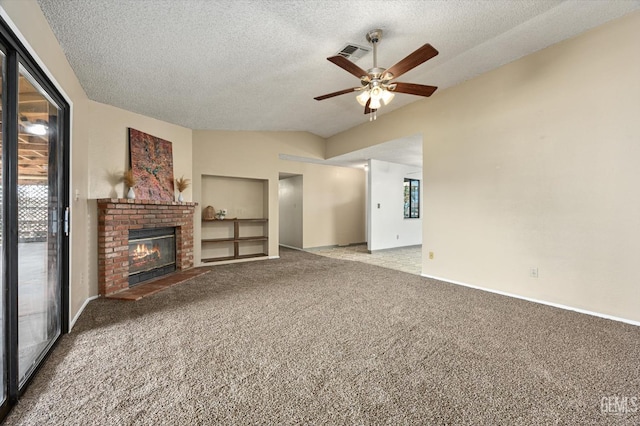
(398, 237)
(533, 272)
(431, 255)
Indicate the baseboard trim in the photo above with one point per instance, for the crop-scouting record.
(542, 302)
(84, 305)
(394, 248)
(333, 246)
(274, 257)
(291, 247)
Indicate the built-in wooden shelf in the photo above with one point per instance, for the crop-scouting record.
(217, 259)
(236, 240)
(233, 240)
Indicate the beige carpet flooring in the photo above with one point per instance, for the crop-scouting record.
(312, 340)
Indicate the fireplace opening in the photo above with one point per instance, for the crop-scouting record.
(152, 253)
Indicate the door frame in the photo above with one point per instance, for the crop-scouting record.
(17, 54)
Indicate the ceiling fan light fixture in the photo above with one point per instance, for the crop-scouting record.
(363, 97)
(387, 96)
(375, 103)
(376, 92)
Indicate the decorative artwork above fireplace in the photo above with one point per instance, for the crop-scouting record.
(152, 165)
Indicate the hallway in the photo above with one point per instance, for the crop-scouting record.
(405, 259)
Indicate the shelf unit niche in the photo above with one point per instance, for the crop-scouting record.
(244, 233)
(247, 238)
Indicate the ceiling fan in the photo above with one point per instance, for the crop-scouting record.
(377, 85)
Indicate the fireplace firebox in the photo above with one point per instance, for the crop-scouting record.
(152, 253)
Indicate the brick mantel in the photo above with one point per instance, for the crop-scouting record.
(116, 216)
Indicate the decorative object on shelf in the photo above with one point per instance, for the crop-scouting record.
(129, 180)
(181, 185)
(221, 214)
(209, 213)
(152, 165)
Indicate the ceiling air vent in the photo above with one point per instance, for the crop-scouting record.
(353, 51)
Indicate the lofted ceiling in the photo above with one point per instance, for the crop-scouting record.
(257, 65)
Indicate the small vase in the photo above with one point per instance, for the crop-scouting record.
(180, 197)
(131, 195)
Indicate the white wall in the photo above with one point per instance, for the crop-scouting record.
(389, 228)
(534, 164)
(290, 201)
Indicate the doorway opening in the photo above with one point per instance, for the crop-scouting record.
(290, 209)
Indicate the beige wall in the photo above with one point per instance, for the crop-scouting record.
(333, 196)
(535, 165)
(242, 198)
(334, 210)
(109, 148)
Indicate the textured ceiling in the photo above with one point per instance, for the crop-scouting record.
(256, 65)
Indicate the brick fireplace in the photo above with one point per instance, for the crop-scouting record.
(118, 216)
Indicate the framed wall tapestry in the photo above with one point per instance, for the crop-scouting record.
(152, 165)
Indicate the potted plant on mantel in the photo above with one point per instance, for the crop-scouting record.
(130, 181)
(181, 185)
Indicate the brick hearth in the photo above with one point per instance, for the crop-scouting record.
(116, 216)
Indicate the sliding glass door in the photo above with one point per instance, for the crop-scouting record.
(38, 225)
(33, 221)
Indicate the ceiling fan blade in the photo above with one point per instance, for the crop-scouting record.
(413, 89)
(348, 66)
(331, 95)
(414, 59)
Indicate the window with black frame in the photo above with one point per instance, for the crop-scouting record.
(411, 198)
